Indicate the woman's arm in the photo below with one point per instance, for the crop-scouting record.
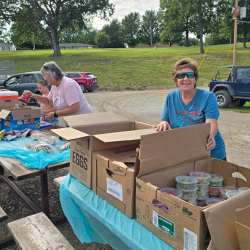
(68, 111)
(49, 110)
(213, 132)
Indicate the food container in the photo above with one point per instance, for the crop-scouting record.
(224, 189)
(214, 190)
(172, 191)
(244, 189)
(214, 195)
(187, 193)
(202, 194)
(202, 177)
(160, 205)
(202, 201)
(186, 182)
(8, 94)
(216, 180)
(210, 201)
(232, 193)
(191, 200)
(203, 187)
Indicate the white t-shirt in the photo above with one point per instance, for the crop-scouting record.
(67, 94)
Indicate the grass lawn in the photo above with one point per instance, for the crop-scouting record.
(137, 68)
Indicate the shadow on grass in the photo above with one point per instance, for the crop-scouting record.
(245, 109)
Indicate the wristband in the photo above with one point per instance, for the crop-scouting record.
(55, 114)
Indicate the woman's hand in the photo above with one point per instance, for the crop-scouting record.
(210, 142)
(49, 116)
(28, 92)
(163, 126)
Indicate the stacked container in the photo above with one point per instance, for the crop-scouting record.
(215, 186)
(202, 186)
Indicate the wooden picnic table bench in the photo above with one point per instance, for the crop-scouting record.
(3, 215)
(37, 232)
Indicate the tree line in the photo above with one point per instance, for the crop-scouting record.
(46, 23)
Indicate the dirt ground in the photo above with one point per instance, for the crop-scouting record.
(143, 106)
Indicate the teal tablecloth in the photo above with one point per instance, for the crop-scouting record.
(95, 220)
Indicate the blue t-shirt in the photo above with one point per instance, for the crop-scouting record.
(203, 106)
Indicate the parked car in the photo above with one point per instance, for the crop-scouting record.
(231, 85)
(86, 80)
(23, 81)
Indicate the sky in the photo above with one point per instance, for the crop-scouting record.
(124, 7)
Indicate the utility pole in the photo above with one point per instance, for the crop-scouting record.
(236, 13)
(151, 33)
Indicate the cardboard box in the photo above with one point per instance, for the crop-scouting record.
(163, 157)
(19, 119)
(242, 224)
(9, 103)
(115, 177)
(83, 144)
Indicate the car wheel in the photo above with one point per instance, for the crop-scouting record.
(83, 87)
(223, 98)
(238, 103)
(90, 90)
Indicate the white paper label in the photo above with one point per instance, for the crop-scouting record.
(190, 240)
(115, 189)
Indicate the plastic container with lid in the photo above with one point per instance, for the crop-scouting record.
(244, 189)
(8, 94)
(160, 205)
(186, 182)
(202, 201)
(191, 200)
(172, 191)
(202, 177)
(216, 180)
(214, 195)
(187, 193)
(203, 187)
(214, 190)
(232, 193)
(224, 189)
(210, 201)
(202, 194)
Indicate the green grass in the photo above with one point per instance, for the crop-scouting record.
(130, 69)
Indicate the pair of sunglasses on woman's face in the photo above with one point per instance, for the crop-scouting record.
(189, 75)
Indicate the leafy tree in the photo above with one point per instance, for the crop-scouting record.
(2, 32)
(89, 36)
(130, 29)
(112, 30)
(54, 16)
(102, 39)
(150, 28)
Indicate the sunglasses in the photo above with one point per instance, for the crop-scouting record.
(189, 75)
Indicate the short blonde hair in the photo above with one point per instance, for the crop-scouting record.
(183, 64)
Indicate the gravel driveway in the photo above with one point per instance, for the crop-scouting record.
(143, 106)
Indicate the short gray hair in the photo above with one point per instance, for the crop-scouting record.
(52, 67)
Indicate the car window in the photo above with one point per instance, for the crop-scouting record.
(90, 75)
(76, 75)
(13, 80)
(70, 75)
(40, 76)
(28, 79)
(243, 73)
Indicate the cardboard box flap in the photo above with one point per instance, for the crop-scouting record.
(242, 216)
(69, 133)
(118, 168)
(173, 147)
(4, 113)
(125, 136)
(221, 221)
(25, 114)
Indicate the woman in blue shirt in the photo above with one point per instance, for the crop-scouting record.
(189, 106)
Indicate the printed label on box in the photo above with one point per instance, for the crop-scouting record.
(115, 189)
(190, 240)
(164, 224)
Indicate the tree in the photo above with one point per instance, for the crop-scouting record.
(150, 28)
(112, 30)
(102, 39)
(54, 16)
(2, 32)
(130, 29)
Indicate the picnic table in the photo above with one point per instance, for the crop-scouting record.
(11, 168)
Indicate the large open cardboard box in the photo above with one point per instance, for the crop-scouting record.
(83, 144)
(9, 103)
(165, 155)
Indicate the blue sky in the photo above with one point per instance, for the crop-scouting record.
(123, 8)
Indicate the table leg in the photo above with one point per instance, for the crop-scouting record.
(45, 194)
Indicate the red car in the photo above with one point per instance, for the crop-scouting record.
(86, 80)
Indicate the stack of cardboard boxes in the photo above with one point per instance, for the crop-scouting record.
(127, 163)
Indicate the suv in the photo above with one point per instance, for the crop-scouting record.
(231, 85)
(86, 80)
(24, 81)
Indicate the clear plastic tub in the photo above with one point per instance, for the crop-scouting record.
(214, 190)
(210, 201)
(202, 194)
(188, 193)
(244, 189)
(186, 182)
(216, 180)
(160, 205)
(202, 177)
(191, 200)
(214, 195)
(232, 193)
(224, 189)
(203, 187)
(173, 191)
(202, 201)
